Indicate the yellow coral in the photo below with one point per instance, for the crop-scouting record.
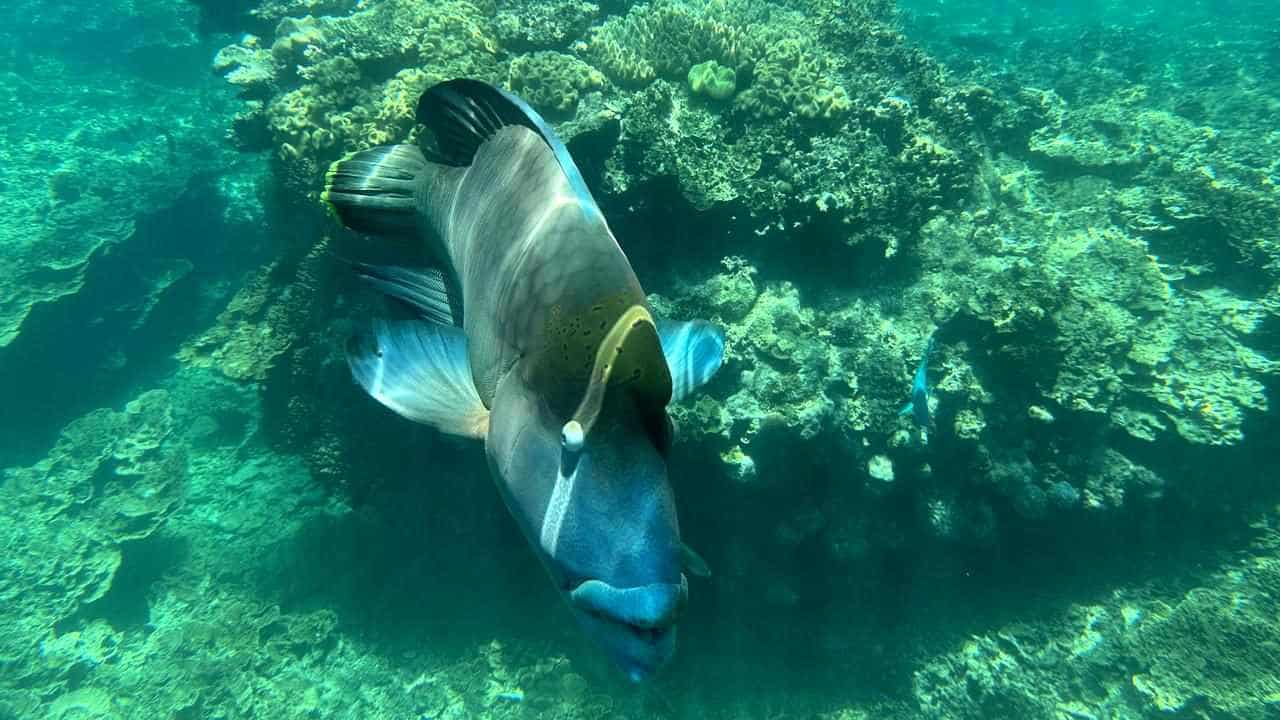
(552, 81)
(795, 76)
(666, 39)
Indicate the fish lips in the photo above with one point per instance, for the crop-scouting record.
(636, 625)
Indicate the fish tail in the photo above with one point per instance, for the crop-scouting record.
(373, 191)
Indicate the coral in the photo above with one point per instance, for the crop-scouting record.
(880, 468)
(669, 135)
(248, 66)
(1214, 648)
(666, 38)
(1207, 651)
(552, 81)
(795, 76)
(108, 149)
(1123, 334)
(261, 323)
(246, 342)
(713, 80)
(353, 81)
(778, 334)
(111, 478)
(524, 25)
(273, 11)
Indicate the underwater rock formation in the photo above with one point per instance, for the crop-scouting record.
(1082, 215)
(1209, 650)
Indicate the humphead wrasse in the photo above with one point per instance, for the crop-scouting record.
(533, 334)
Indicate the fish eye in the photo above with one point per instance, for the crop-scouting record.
(572, 436)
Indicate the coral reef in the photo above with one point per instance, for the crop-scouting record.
(666, 38)
(796, 78)
(713, 80)
(77, 181)
(1204, 651)
(526, 25)
(341, 83)
(1082, 218)
(112, 479)
(552, 81)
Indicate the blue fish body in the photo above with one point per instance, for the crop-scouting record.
(918, 408)
(535, 336)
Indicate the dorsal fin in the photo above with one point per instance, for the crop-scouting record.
(462, 114)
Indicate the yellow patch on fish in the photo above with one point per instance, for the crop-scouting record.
(629, 355)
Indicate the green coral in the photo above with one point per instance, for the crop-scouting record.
(76, 182)
(260, 323)
(274, 11)
(1129, 343)
(713, 80)
(795, 76)
(542, 24)
(111, 478)
(348, 82)
(669, 135)
(1210, 651)
(1216, 648)
(666, 38)
(552, 82)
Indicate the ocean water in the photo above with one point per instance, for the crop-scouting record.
(1055, 224)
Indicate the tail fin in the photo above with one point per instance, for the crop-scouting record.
(373, 191)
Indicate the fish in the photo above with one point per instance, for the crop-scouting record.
(918, 406)
(532, 333)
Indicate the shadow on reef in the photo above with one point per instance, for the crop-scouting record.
(140, 299)
(124, 606)
(788, 612)
(671, 243)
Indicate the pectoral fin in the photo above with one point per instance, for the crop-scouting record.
(693, 563)
(426, 291)
(420, 370)
(694, 350)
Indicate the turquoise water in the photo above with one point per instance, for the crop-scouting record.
(203, 516)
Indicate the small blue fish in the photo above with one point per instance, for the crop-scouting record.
(513, 696)
(918, 408)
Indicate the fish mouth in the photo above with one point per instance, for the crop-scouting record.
(636, 624)
(645, 608)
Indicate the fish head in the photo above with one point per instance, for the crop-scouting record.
(618, 551)
(592, 493)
